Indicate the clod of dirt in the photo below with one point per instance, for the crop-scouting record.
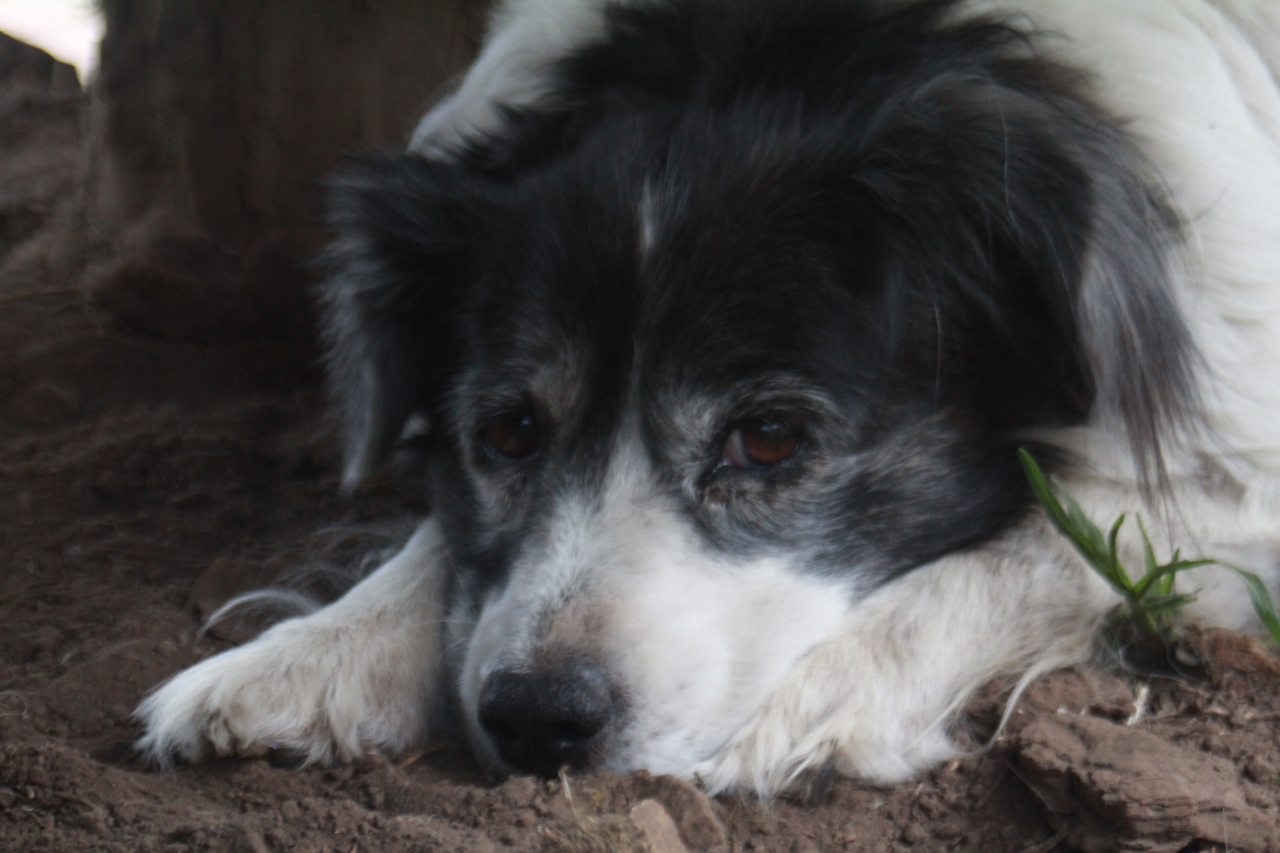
(656, 827)
(692, 811)
(1230, 655)
(590, 826)
(1120, 788)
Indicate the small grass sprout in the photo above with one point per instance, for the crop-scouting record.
(1150, 602)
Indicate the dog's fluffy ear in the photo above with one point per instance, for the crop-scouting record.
(1062, 229)
(406, 253)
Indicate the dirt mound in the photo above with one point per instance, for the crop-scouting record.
(148, 476)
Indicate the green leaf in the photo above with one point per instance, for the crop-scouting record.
(1087, 530)
(1151, 601)
(1044, 494)
(1262, 603)
(1167, 604)
(1061, 518)
(1118, 576)
(1183, 565)
(1071, 521)
(1143, 587)
(1152, 566)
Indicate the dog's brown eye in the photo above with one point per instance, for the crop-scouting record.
(760, 443)
(514, 436)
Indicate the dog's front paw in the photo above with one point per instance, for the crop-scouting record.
(878, 699)
(786, 742)
(355, 676)
(865, 713)
(322, 692)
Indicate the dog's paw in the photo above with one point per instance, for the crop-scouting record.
(322, 692)
(787, 742)
(878, 701)
(803, 730)
(353, 677)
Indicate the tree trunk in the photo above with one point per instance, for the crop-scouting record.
(213, 123)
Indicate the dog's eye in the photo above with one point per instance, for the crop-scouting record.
(760, 443)
(514, 435)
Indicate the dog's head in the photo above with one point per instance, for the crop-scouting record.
(702, 355)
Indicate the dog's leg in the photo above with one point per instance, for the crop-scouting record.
(357, 675)
(877, 698)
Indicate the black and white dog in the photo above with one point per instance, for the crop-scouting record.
(718, 324)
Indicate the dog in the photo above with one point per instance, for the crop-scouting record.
(713, 328)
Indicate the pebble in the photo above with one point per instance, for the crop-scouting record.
(691, 810)
(657, 828)
(519, 791)
(1260, 770)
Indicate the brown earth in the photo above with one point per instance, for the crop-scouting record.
(144, 478)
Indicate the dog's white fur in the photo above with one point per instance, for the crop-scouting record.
(356, 675)
(735, 629)
(868, 684)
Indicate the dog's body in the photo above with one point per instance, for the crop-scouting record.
(719, 324)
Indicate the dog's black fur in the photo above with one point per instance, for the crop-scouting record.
(917, 239)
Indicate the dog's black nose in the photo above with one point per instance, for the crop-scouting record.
(543, 720)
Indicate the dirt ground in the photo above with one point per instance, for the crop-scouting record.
(143, 481)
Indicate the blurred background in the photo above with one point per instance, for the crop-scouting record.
(208, 126)
(163, 445)
(68, 29)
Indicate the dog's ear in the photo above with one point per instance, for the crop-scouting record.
(1047, 237)
(407, 251)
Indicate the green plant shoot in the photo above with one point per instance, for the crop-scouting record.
(1150, 602)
